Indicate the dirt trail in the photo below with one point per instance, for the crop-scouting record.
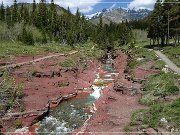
(171, 65)
(36, 60)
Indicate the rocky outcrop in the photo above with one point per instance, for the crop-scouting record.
(39, 114)
(130, 88)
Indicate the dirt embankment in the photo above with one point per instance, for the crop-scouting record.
(46, 84)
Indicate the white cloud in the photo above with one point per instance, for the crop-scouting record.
(137, 4)
(85, 6)
(10, 2)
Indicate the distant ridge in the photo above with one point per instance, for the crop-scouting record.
(118, 15)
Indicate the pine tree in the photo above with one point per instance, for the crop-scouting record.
(33, 19)
(53, 21)
(155, 22)
(8, 16)
(21, 13)
(2, 12)
(77, 31)
(42, 15)
(100, 25)
(69, 11)
(26, 15)
(44, 38)
(26, 36)
(15, 12)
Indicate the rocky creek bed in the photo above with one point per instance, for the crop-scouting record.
(89, 101)
(74, 113)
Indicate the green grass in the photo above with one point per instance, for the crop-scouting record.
(86, 52)
(18, 124)
(157, 87)
(90, 50)
(69, 62)
(10, 92)
(159, 115)
(158, 65)
(173, 54)
(19, 49)
(140, 52)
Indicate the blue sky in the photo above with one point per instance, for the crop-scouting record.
(93, 6)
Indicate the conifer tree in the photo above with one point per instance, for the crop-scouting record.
(21, 13)
(8, 16)
(100, 26)
(15, 12)
(53, 21)
(34, 14)
(42, 15)
(26, 36)
(69, 11)
(26, 15)
(2, 12)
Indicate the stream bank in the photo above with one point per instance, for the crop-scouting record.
(45, 81)
(98, 108)
(74, 113)
(114, 109)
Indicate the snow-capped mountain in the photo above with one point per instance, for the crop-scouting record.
(118, 15)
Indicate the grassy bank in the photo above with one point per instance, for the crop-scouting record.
(158, 87)
(19, 49)
(173, 54)
(160, 92)
(158, 116)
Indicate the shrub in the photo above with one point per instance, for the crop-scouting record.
(18, 123)
(172, 88)
(69, 62)
(26, 37)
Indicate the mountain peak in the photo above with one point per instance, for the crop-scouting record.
(119, 14)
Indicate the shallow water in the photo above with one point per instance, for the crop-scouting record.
(72, 114)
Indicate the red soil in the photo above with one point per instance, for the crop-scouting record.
(144, 71)
(113, 108)
(39, 90)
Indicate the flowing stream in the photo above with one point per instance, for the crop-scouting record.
(73, 113)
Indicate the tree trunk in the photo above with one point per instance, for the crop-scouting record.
(175, 41)
(154, 41)
(162, 41)
(158, 41)
(166, 40)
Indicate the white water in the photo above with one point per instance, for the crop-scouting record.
(55, 127)
(97, 91)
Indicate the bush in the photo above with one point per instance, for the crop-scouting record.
(172, 88)
(18, 123)
(26, 37)
(69, 62)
